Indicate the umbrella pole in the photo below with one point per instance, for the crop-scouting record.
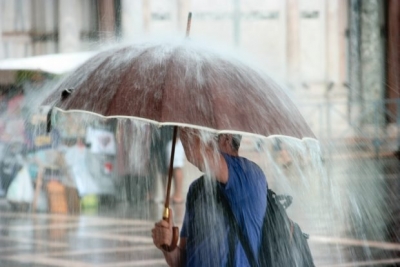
(175, 230)
(170, 173)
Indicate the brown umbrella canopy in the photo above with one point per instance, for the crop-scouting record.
(182, 83)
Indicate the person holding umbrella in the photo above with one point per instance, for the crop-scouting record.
(204, 239)
(192, 86)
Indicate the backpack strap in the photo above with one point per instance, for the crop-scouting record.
(284, 200)
(197, 189)
(234, 225)
(232, 249)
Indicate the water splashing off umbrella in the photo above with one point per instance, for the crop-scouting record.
(180, 83)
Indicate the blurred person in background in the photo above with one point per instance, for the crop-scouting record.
(133, 159)
(101, 156)
(178, 164)
(12, 138)
(158, 165)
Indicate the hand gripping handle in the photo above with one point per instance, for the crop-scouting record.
(175, 234)
(174, 242)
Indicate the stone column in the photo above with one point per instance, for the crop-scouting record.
(366, 63)
(1, 30)
(146, 8)
(332, 41)
(336, 26)
(107, 20)
(393, 56)
(372, 60)
(69, 26)
(354, 39)
(343, 24)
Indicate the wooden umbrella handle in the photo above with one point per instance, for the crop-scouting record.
(175, 230)
(170, 172)
(174, 241)
(175, 233)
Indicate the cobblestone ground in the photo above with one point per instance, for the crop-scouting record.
(120, 236)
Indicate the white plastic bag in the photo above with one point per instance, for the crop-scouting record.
(21, 188)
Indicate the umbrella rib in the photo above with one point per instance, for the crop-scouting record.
(92, 74)
(210, 84)
(66, 83)
(103, 62)
(125, 78)
(163, 87)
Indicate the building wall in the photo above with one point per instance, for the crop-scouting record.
(16, 23)
(300, 42)
(36, 27)
(44, 29)
(297, 41)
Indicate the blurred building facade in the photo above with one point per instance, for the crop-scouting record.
(301, 41)
(323, 50)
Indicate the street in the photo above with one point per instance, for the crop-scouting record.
(357, 231)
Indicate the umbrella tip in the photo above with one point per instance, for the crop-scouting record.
(66, 93)
(48, 124)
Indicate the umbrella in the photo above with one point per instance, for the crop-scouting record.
(180, 83)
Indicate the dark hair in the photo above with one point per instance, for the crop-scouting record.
(236, 139)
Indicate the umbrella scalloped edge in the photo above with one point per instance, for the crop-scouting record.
(193, 126)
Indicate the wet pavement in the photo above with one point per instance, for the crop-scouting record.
(357, 224)
(56, 240)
